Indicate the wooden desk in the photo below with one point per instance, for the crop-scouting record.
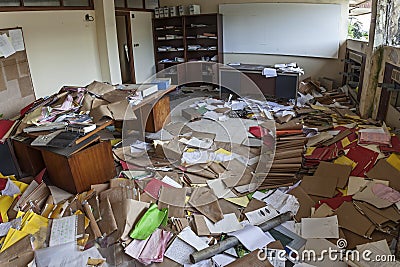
(154, 111)
(73, 169)
(247, 80)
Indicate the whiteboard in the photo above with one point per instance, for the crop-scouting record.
(295, 29)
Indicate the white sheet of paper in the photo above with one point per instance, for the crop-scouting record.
(259, 195)
(196, 142)
(269, 72)
(63, 230)
(171, 182)
(192, 239)
(179, 251)
(221, 260)
(320, 227)
(252, 237)
(220, 190)
(261, 215)
(6, 48)
(17, 40)
(228, 224)
(196, 157)
(11, 189)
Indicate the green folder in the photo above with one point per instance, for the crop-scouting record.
(150, 221)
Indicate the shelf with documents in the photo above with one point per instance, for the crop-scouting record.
(353, 73)
(201, 42)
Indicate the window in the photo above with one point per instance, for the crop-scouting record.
(136, 4)
(359, 19)
(42, 3)
(15, 5)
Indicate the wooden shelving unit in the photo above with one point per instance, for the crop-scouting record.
(353, 73)
(191, 38)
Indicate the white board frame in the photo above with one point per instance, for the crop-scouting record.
(293, 29)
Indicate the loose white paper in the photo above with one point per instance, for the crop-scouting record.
(17, 40)
(199, 143)
(221, 260)
(220, 189)
(228, 224)
(192, 239)
(252, 237)
(171, 182)
(179, 251)
(261, 215)
(11, 189)
(5, 227)
(320, 227)
(6, 48)
(63, 230)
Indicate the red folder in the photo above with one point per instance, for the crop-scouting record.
(5, 126)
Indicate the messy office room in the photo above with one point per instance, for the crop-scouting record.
(167, 133)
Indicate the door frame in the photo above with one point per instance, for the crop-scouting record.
(128, 27)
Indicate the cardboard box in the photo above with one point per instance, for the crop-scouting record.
(194, 9)
(173, 11)
(190, 114)
(162, 83)
(166, 12)
(182, 10)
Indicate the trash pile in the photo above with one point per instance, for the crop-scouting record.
(242, 182)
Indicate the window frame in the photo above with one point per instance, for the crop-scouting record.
(22, 7)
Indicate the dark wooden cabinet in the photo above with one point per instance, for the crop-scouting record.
(73, 169)
(354, 73)
(191, 38)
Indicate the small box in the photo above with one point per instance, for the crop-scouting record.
(166, 12)
(161, 11)
(162, 83)
(182, 10)
(157, 13)
(191, 114)
(194, 9)
(173, 11)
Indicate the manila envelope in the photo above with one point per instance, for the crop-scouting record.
(173, 199)
(122, 111)
(200, 225)
(16, 251)
(250, 259)
(384, 171)
(366, 194)
(107, 224)
(319, 186)
(341, 172)
(134, 210)
(351, 219)
(372, 215)
(206, 202)
(357, 183)
(306, 203)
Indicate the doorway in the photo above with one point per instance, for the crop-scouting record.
(135, 46)
(124, 37)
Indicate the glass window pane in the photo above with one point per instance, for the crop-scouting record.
(41, 2)
(10, 3)
(135, 3)
(76, 2)
(151, 4)
(119, 3)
